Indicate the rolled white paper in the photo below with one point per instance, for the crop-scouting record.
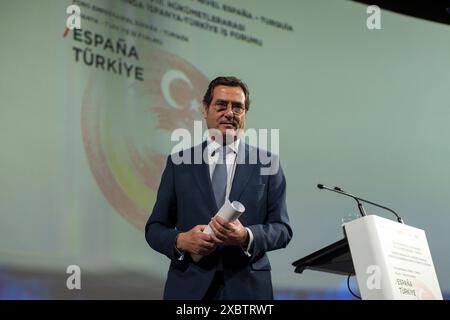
(229, 211)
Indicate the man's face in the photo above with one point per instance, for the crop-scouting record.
(226, 112)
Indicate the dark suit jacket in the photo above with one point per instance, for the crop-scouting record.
(185, 199)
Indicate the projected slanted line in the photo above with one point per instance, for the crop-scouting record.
(66, 32)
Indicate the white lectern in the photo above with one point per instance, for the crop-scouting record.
(391, 260)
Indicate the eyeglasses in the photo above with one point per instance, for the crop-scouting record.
(237, 107)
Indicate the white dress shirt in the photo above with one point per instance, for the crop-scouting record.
(213, 157)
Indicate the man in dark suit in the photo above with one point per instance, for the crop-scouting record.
(234, 263)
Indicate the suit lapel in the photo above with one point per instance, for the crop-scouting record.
(243, 172)
(201, 175)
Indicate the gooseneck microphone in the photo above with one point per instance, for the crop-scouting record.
(359, 200)
(360, 206)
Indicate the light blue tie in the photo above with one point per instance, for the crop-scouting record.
(219, 178)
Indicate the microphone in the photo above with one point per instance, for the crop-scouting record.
(358, 200)
(360, 206)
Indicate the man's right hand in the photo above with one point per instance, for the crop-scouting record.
(195, 241)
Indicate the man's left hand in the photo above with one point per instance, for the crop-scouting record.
(228, 233)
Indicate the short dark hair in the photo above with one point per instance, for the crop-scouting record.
(228, 82)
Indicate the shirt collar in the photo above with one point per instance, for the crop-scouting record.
(213, 145)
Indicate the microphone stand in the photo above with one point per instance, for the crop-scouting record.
(358, 200)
